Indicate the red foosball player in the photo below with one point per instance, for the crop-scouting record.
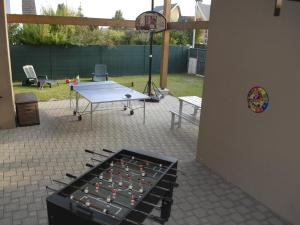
(114, 193)
(97, 186)
(132, 201)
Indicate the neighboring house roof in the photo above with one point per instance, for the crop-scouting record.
(203, 11)
(160, 8)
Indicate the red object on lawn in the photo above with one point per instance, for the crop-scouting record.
(68, 81)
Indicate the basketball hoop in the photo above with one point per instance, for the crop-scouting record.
(151, 21)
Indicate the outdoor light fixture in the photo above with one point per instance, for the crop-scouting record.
(278, 6)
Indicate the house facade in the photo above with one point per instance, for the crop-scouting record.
(203, 14)
(28, 7)
(175, 12)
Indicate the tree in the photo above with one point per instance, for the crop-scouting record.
(85, 35)
(118, 15)
(49, 34)
(199, 36)
(14, 33)
(61, 34)
(35, 34)
(181, 37)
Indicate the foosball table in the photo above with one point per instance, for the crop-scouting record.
(123, 189)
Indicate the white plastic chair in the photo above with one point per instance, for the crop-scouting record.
(100, 73)
(32, 78)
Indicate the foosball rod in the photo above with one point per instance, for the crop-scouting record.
(51, 189)
(96, 160)
(109, 151)
(152, 217)
(71, 176)
(157, 186)
(55, 190)
(163, 180)
(74, 177)
(96, 175)
(96, 153)
(107, 213)
(78, 200)
(154, 195)
(147, 161)
(143, 160)
(147, 203)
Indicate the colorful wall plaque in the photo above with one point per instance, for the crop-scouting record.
(258, 100)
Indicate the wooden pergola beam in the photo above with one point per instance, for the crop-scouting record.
(68, 20)
(85, 21)
(188, 25)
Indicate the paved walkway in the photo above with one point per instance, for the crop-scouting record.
(31, 156)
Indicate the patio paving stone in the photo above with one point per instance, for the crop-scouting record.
(30, 157)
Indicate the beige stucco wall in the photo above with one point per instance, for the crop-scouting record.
(248, 46)
(7, 109)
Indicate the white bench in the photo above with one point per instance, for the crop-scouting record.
(190, 118)
(193, 101)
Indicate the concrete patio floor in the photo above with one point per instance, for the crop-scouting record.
(31, 156)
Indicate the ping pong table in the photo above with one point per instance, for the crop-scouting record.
(97, 93)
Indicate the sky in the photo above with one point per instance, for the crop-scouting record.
(107, 8)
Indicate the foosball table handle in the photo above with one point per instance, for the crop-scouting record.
(89, 151)
(71, 176)
(106, 150)
(89, 165)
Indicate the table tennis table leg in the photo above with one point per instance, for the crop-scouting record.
(195, 111)
(144, 111)
(70, 98)
(91, 115)
(180, 112)
(77, 100)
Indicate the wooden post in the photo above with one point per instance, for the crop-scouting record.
(7, 105)
(164, 63)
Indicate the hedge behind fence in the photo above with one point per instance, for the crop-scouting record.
(59, 62)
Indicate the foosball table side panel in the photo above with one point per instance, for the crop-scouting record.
(60, 212)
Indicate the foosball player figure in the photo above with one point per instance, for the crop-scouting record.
(108, 201)
(114, 193)
(97, 186)
(132, 201)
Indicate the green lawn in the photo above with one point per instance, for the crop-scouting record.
(178, 84)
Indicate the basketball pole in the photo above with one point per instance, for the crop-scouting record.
(150, 56)
(156, 95)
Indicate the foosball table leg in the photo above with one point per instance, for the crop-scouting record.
(166, 209)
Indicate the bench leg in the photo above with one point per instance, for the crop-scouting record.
(195, 111)
(180, 112)
(172, 121)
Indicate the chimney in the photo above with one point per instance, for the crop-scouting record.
(28, 7)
